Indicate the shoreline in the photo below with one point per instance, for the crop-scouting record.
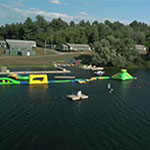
(52, 67)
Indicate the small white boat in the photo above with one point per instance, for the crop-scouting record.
(99, 73)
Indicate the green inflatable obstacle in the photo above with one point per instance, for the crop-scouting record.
(7, 81)
(123, 75)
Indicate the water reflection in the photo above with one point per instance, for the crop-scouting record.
(35, 88)
(125, 84)
(5, 87)
(38, 91)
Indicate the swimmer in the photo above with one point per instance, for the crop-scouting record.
(111, 90)
(109, 86)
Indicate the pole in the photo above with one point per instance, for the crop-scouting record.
(45, 48)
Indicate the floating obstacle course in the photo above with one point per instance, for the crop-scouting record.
(43, 79)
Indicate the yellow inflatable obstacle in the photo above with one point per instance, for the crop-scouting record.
(38, 79)
(81, 82)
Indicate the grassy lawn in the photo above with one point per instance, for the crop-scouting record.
(41, 51)
(40, 59)
(2, 51)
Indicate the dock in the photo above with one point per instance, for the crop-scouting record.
(64, 77)
(96, 68)
(75, 97)
(35, 72)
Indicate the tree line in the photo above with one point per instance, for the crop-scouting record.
(113, 44)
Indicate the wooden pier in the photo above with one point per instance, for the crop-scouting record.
(64, 77)
(75, 97)
(35, 72)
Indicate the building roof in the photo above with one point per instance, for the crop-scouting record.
(19, 41)
(20, 44)
(78, 45)
(2, 42)
(64, 45)
(140, 47)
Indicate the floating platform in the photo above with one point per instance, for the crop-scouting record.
(75, 97)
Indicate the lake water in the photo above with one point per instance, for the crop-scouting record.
(40, 117)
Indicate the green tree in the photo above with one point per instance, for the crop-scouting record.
(72, 24)
(58, 24)
(94, 34)
(29, 30)
(114, 52)
(104, 31)
(82, 23)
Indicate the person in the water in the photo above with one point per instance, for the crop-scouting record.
(109, 88)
